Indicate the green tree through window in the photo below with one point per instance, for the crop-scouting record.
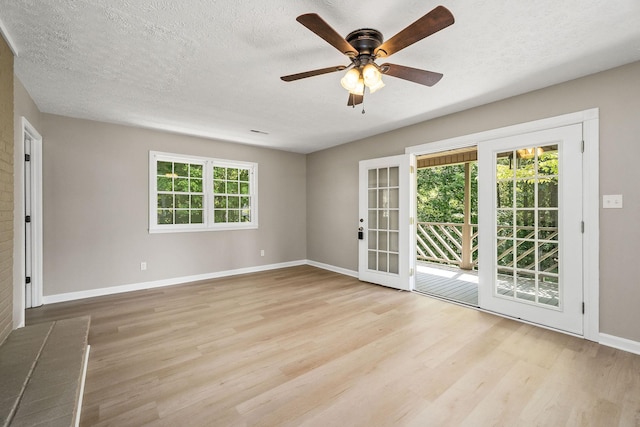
(179, 193)
(441, 194)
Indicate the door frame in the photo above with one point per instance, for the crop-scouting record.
(27, 128)
(590, 193)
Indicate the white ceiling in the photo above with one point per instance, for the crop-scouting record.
(211, 67)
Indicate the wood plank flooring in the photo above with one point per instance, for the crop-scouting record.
(303, 346)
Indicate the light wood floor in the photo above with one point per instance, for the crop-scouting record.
(303, 346)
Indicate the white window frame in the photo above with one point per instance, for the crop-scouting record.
(208, 164)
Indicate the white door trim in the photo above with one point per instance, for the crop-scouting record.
(36, 223)
(591, 193)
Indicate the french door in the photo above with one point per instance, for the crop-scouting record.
(384, 222)
(530, 227)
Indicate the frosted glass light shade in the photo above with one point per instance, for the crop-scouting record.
(371, 75)
(359, 89)
(375, 87)
(351, 79)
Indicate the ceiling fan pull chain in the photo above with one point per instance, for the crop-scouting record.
(363, 102)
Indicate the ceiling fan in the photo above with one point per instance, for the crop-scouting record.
(365, 45)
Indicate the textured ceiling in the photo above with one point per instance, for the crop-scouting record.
(211, 67)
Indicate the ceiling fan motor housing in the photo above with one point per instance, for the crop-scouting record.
(365, 41)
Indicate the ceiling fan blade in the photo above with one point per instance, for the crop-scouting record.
(354, 100)
(298, 76)
(416, 75)
(316, 24)
(432, 22)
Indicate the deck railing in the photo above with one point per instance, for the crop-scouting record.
(443, 242)
(457, 244)
(525, 248)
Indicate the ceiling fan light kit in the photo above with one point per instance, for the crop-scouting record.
(365, 45)
(372, 77)
(351, 80)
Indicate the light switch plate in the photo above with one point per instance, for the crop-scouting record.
(612, 201)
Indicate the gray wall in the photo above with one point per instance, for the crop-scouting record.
(96, 208)
(332, 179)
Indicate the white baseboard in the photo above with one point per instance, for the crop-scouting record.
(333, 268)
(620, 343)
(111, 290)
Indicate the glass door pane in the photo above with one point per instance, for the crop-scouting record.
(527, 257)
(383, 209)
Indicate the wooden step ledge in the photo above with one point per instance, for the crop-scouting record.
(42, 370)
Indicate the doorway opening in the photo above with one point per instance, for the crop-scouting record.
(447, 225)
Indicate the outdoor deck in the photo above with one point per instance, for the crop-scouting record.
(448, 282)
(462, 285)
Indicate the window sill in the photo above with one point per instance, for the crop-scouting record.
(174, 229)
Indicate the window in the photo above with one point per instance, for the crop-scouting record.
(190, 193)
(179, 192)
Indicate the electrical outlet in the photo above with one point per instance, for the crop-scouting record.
(612, 201)
(143, 265)
(262, 252)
